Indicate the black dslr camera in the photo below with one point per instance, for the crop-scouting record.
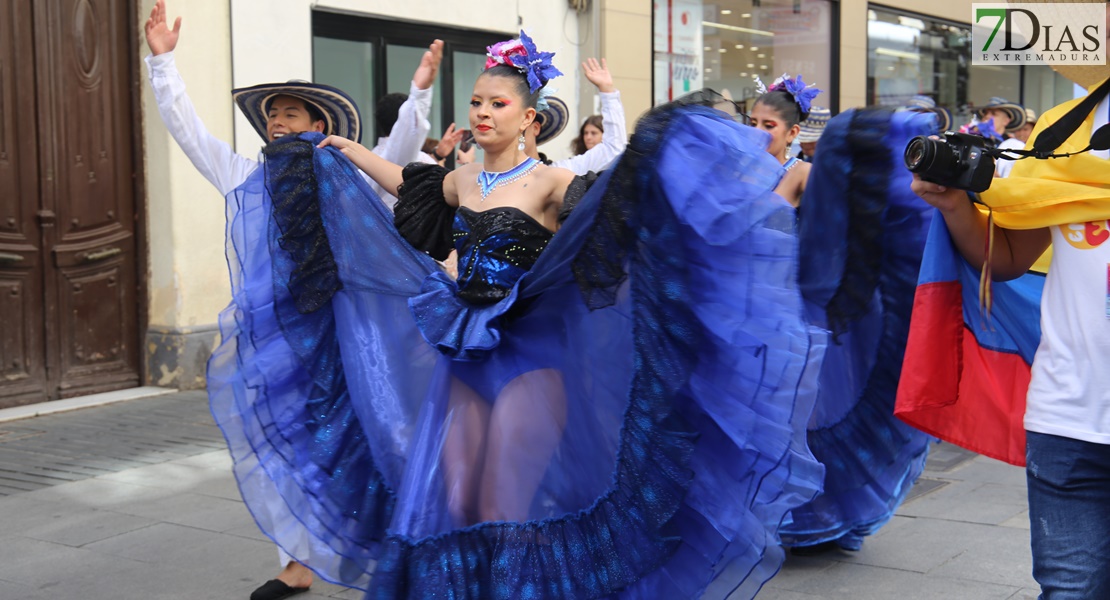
(959, 160)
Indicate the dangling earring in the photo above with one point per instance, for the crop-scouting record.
(520, 143)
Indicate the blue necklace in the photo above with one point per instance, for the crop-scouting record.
(491, 181)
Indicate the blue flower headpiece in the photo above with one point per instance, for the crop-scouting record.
(803, 94)
(523, 56)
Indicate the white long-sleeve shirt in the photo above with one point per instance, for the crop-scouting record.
(405, 140)
(213, 157)
(227, 170)
(614, 137)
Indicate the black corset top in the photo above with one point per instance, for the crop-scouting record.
(495, 248)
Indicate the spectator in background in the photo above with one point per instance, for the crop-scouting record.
(589, 135)
(1002, 166)
(1023, 132)
(811, 131)
(921, 103)
(552, 119)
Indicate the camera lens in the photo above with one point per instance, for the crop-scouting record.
(920, 154)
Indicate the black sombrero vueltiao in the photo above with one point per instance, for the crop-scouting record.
(1016, 112)
(553, 119)
(341, 114)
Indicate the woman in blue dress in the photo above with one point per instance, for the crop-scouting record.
(862, 236)
(613, 410)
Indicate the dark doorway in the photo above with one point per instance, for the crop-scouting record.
(69, 253)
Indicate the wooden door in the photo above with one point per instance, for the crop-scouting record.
(22, 324)
(81, 239)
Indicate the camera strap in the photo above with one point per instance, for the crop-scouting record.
(1056, 134)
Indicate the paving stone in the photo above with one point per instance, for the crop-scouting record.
(101, 493)
(1001, 555)
(348, 594)
(78, 529)
(249, 531)
(1018, 521)
(799, 569)
(45, 564)
(128, 580)
(988, 470)
(923, 486)
(971, 502)
(772, 593)
(209, 460)
(920, 545)
(158, 543)
(192, 510)
(167, 476)
(861, 582)
(1027, 594)
(23, 512)
(11, 590)
(944, 457)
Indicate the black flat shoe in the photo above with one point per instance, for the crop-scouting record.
(276, 589)
(814, 550)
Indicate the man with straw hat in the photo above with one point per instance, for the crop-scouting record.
(1023, 132)
(552, 119)
(274, 110)
(1062, 203)
(923, 103)
(1006, 116)
(810, 132)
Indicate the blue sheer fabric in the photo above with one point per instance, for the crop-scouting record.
(862, 237)
(627, 421)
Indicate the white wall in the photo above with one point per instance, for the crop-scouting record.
(188, 282)
(272, 41)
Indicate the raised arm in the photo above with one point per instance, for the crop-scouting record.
(614, 135)
(383, 172)
(1014, 250)
(411, 129)
(214, 158)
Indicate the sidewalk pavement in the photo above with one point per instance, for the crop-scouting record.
(136, 500)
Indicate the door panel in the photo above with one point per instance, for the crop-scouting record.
(68, 295)
(22, 359)
(84, 75)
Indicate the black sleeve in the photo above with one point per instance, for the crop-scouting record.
(575, 191)
(422, 215)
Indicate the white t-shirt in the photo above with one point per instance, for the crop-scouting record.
(1002, 166)
(1069, 394)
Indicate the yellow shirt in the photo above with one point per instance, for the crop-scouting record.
(1056, 191)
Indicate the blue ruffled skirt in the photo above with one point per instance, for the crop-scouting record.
(629, 421)
(862, 237)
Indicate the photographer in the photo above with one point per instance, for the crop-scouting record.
(1063, 203)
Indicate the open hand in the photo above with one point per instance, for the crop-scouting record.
(425, 74)
(159, 37)
(351, 149)
(450, 139)
(598, 74)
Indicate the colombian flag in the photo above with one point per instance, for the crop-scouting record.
(965, 373)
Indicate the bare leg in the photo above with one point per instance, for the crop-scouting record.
(524, 430)
(295, 575)
(463, 449)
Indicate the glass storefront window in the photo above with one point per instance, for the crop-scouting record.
(369, 57)
(910, 54)
(721, 45)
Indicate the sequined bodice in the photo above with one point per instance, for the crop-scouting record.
(495, 248)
